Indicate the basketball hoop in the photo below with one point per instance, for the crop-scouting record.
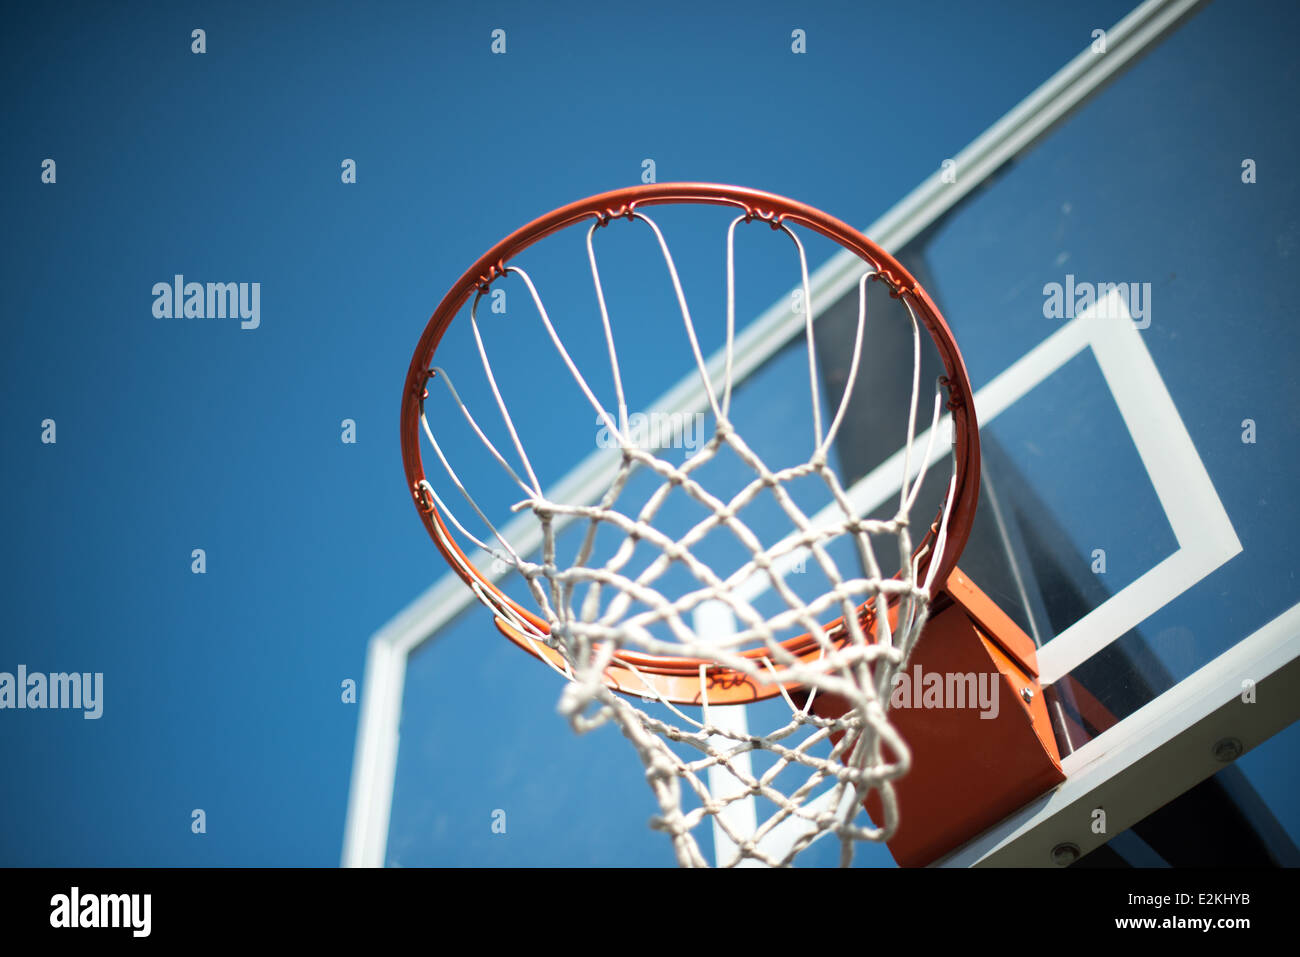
(855, 637)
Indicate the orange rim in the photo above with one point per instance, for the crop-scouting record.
(678, 679)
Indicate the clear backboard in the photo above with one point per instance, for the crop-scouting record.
(1114, 257)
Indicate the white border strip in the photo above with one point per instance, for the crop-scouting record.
(741, 816)
(374, 763)
(1157, 753)
(1205, 536)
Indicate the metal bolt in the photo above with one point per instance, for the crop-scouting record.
(1227, 749)
(1063, 855)
(1027, 694)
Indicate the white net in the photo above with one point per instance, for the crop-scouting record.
(767, 796)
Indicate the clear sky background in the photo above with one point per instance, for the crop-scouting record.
(222, 690)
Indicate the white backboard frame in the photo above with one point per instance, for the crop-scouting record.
(1137, 753)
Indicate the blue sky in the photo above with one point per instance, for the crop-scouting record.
(222, 690)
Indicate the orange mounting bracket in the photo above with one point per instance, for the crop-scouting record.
(973, 761)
